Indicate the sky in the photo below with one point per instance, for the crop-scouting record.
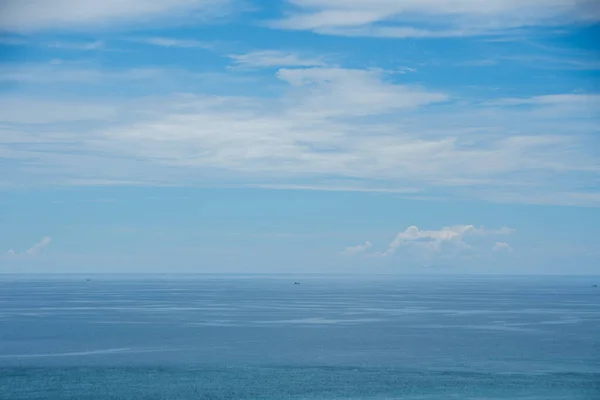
(300, 136)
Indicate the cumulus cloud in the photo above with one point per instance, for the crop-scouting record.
(33, 250)
(36, 248)
(431, 240)
(502, 246)
(431, 18)
(33, 15)
(434, 239)
(361, 248)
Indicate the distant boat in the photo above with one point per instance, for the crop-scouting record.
(594, 285)
(296, 283)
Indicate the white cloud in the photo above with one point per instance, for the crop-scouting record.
(33, 250)
(335, 187)
(58, 72)
(432, 240)
(95, 45)
(580, 102)
(36, 248)
(180, 43)
(329, 128)
(502, 246)
(338, 92)
(361, 248)
(431, 18)
(275, 58)
(42, 111)
(313, 132)
(11, 41)
(33, 15)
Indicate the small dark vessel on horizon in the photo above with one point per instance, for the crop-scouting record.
(296, 283)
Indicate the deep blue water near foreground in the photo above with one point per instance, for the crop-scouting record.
(327, 338)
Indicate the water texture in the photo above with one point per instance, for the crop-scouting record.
(327, 338)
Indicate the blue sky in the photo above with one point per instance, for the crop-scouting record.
(300, 136)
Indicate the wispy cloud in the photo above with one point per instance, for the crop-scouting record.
(335, 187)
(275, 58)
(177, 43)
(35, 15)
(589, 62)
(358, 127)
(24, 110)
(95, 45)
(576, 100)
(486, 62)
(33, 250)
(338, 92)
(12, 41)
(434, 18)
(56, 72)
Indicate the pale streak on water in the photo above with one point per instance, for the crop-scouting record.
(328, 338)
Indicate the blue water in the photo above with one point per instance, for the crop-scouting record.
(327, 338)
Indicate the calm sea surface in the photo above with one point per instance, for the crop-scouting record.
(327, 338)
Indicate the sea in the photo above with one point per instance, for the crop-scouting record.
(302, 337)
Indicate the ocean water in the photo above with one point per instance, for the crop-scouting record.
(263, 337)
